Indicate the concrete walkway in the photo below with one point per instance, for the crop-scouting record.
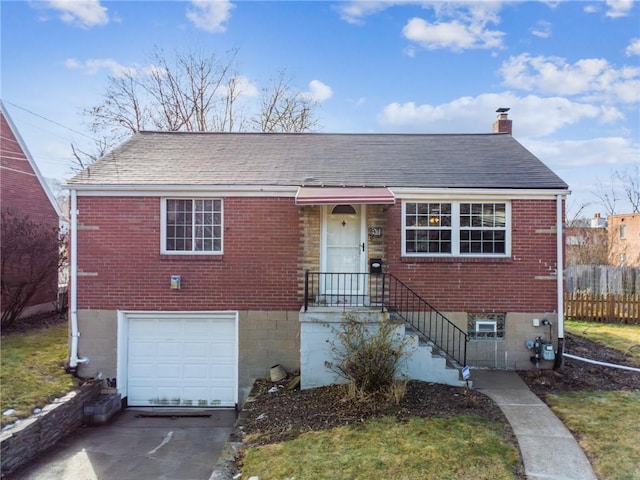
(549, 450)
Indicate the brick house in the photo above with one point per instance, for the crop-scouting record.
(25, 193)
(624, 239)
(200, 260)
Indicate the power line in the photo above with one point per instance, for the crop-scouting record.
(49, 120)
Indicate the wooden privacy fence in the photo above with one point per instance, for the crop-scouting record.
(607, 308)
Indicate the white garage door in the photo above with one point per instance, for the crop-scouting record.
(183, 359)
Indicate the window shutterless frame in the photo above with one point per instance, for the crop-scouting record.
(464, 228)
(191, 226)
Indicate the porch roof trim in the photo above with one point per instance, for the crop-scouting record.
(342, 195)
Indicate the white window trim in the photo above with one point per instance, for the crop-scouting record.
(163, 228)
(455, 229)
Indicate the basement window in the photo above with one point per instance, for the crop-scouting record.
(486, 326)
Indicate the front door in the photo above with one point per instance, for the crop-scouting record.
(345, 249)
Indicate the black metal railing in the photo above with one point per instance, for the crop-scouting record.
(386, 291)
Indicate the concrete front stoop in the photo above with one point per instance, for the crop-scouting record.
(549, 450)
(424, 363)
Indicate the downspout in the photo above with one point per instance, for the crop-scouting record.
(73, 294)
(560, 280)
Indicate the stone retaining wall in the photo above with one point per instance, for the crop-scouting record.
(39, 432)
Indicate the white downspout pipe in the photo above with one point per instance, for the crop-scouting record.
(560, 278)
(73, 294)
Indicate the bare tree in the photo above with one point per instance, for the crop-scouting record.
(31, 255)
(83, 158)
(587, 246)
(196, 93)
(284, 110)
(630, 180)
(607, 195)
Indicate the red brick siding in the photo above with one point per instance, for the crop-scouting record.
(475, 285)
(21, 194)
(258, 269)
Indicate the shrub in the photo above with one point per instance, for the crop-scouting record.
(369, 355)
(31, 255)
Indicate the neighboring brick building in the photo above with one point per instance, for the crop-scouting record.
(624, 239)
(190, 251)
(25, 193)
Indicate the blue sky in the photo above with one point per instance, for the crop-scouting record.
(569, 70)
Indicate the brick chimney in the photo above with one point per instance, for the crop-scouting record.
(502, 123)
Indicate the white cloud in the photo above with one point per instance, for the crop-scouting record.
(542, 29)
(458, 27)
(453, 35)
(94, 65)
(209, 15)
(591, 78)
(633, 48)
(533, 116)
(318, 91)
(590, 9)
(353, 12)
(584, 153)
(81, 13)
(618, 8)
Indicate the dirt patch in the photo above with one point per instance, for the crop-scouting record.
(284, 414)
(578, 376)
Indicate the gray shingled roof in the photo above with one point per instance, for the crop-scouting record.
(393, 160)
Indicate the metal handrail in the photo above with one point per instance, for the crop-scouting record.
(386, 291)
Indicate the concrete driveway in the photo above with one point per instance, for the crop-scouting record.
(139, 444)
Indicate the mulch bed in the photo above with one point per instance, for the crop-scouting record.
(284, 414)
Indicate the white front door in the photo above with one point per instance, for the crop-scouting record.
(344, 249)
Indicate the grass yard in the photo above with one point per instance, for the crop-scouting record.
(457, 448)
(606, 423)
(31, 372)
(620, 337)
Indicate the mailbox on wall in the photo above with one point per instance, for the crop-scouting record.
(375, 265)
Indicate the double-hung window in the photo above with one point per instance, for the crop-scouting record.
(192, 226)
(456, 229)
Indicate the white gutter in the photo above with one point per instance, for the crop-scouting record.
(560, 265)
(73, 278)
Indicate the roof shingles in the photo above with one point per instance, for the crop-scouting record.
(393, 160)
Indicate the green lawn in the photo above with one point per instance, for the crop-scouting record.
(624, 338)
(605, 423)
(458, 448)
(606, 426)
(31, 370)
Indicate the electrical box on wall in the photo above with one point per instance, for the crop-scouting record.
(175, 282)
(536, 322)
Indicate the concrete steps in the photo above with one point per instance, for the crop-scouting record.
(425, 362)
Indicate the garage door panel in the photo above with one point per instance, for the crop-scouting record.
(196, 372)
(196, 349)
(178, 360)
